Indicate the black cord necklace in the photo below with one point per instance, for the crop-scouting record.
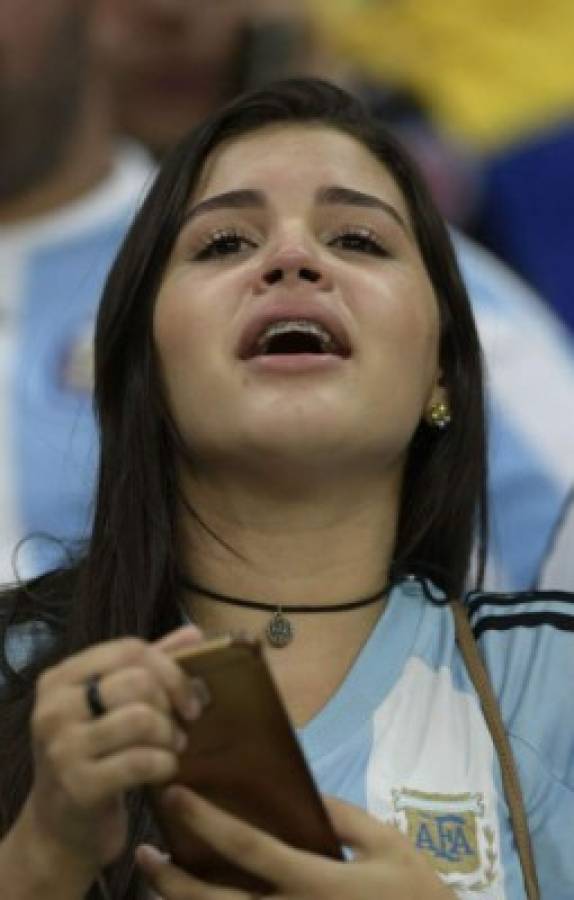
(279, 630)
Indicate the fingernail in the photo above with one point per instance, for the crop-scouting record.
(198, 698)
(201, 691)
(151, 855)
(180, 741)
(191, 708)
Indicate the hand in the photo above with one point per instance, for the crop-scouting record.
(385, 863)
(75, 811)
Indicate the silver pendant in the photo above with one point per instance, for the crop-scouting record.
(279, 631)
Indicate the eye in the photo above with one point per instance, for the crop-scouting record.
(359, 240)
(223, 243)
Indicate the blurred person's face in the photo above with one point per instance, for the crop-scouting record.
(42, 70)
(170, 62)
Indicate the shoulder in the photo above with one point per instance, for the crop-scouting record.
(531, 610)
(503, 302)
(527, 642)
(94, 222)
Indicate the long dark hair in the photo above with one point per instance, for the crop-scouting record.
(125, 581)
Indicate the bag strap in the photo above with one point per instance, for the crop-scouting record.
(479, 677)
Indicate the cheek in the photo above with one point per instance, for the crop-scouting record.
(405, 321)
(182, 339)
(179, 325)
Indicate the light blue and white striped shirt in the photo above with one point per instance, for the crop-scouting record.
(404, 737)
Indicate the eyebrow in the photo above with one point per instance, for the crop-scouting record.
(349, 197)
(244, 199)
(249, 198)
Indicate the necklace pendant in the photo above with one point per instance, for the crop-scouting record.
(279, 631)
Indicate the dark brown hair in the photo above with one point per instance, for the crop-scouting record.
(124, 582)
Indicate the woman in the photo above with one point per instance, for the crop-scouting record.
(289, 392)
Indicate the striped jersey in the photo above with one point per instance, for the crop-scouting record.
(529, 373)
(52, 271)
(404, 736)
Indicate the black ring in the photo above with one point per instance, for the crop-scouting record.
(93, 697)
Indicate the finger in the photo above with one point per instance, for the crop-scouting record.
(127, 652)
(133, 684)
(101, 659)
(186, 636)
(61, 694)
(155, 679)
(98, 781)
(135, 725)
(162, 688)
(172, 883)
(246, 846)
(55, 711)
(181, 690)
(358, 829)
(124, 688)
(157, 682)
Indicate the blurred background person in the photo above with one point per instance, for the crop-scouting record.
(169, 61)
(498, 77)
(68, 189)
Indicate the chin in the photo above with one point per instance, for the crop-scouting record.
(298, 448)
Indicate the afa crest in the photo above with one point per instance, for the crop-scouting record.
(450, 829)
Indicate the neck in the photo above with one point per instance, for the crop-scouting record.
(332, 544)
(84, 165)
(320, 550)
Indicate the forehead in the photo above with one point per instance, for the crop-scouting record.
(294, 158)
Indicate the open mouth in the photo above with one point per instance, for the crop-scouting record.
(296, 336)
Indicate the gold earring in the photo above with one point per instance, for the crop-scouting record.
(439, 415)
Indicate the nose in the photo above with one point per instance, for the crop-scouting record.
(305, 274)
(291, 268)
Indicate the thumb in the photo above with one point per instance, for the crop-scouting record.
(358, 829)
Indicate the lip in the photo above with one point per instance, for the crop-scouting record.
(279, 310)
(294, 363)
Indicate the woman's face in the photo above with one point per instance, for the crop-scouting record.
(296, 322)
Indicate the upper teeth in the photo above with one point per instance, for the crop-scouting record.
(303, 326)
